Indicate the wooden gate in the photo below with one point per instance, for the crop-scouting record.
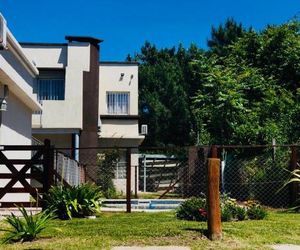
(35, 175)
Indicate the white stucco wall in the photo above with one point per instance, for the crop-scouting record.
(120, 184)
(18, 74)
(110, 80)
(76, 59)
(16, 123)
(54, 56)
(119, 128)
(17, 78)
(15, 129)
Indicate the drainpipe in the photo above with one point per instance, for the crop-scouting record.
(76, 156)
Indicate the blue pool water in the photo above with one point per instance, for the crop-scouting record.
(163, 204)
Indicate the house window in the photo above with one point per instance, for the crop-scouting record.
(50, 85)
(120, 171)
(117, 103)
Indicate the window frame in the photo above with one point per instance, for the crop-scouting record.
(113, 98)
(55, 88)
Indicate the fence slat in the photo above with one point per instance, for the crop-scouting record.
(294, 186)
(128, 181)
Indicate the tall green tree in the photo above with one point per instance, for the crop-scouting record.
(244, 89)
(163, 99)
(237, 105)
(225, 35)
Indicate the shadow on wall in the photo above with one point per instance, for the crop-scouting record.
(17, 117)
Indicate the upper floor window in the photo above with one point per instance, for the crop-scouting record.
(117, 103)
(50, 85)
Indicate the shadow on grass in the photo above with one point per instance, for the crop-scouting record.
(202, 231)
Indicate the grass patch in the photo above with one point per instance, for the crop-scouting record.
(115, 229)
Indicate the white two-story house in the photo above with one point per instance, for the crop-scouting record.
(85, 103)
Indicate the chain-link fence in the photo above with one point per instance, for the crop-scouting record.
(257, 173)
(246, 172)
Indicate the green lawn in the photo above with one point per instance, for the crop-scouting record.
(163, 229)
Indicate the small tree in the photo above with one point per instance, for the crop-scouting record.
(106, 172)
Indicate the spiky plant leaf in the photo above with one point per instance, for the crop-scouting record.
(26, 228)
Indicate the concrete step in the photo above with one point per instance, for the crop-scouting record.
(8, 211)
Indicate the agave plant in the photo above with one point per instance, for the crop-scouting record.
(62, 201)
(26, 228)
(79, 201)
(89, 198)
(296, 176)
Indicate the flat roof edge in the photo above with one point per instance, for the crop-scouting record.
(41, 44)
(88, 39)
(118, 62)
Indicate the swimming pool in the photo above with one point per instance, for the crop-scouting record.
(141, 204)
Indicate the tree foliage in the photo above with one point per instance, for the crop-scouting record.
(243, 90)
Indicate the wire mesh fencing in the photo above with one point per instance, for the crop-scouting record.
(257, 173)
(173, 172)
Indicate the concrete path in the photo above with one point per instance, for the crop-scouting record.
(285, 247)
(152, 248)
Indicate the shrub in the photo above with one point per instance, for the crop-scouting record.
(241, 213)
(107, 162)
(256, 212)
(195, 209)
(226, 213)
(89, 199)
(62, 201)
(192, 209)
(26, 228)
(79, 201)
(229, 208)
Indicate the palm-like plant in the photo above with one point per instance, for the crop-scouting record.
(26, 228)
(89, 197)
(79, 201)
(63, 201)
(296, 176)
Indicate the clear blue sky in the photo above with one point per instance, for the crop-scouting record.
(124, 25)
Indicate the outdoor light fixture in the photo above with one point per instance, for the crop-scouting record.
(122, 76)
(3, 105)
(3, 102)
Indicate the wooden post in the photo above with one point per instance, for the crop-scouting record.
(48, 167)
(294, 186)
(214, 151)
(128, 182)
(136, 182)
(213, 198)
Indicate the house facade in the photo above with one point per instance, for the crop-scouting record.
(62, 92)
(85, 103)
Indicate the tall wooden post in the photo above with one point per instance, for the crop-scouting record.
(135, 182)
(128, 181)
(213, 197)
(294, 186)
(48, 171)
